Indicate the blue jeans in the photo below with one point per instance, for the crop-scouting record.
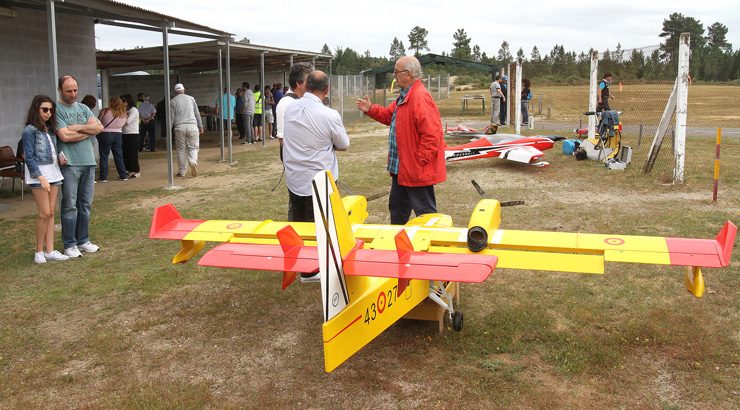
(77, 197)
(107, 142)
(525, 112)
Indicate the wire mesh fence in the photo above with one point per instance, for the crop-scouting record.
(639, 99)
(346, 89)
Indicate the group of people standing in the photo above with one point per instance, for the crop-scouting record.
(499, 88)
(250, 109)
(59, 151)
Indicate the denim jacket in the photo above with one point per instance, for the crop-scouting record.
(36, 149)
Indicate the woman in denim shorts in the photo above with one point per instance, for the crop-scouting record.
(42, 172)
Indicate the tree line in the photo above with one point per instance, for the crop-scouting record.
(712, 56)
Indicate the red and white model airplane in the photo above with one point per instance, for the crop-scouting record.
(518, 148)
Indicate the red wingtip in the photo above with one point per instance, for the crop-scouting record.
(726, 240)
(162, 216)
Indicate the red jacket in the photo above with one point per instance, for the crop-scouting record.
(419, 137)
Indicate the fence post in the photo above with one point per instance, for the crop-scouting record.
(518, 98)
(639, 137)
(592, 94)
(679, 146)
(542, 97)
(341, 96)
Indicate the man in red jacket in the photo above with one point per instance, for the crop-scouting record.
(416, 159)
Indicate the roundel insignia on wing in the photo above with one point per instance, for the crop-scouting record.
(614, 241)
(235, 225)
(381, 305)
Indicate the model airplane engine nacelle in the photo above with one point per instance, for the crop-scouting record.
(485, 218)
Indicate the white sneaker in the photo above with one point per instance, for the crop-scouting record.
(39, 258)
(193, 169)
(88, 247)
(55, 255)
(72, 252)
(308, 278)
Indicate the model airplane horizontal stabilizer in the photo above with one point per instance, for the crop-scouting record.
(420, 265)
(361, 262)
(261, 257)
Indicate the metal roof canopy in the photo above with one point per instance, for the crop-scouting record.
(105, 10)
(202, 56)
(122, 15)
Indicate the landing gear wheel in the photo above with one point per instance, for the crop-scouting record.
(457, 321)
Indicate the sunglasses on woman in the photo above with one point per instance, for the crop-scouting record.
(47, 109)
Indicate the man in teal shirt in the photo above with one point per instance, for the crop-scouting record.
(76, 126)
(225, 108)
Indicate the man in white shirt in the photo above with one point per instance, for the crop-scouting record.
(297, 81)
(312, 135)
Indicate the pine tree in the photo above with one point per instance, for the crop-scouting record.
(461, 45)
(418, 40)
(326, 50)
(504, 55)
(397, 49)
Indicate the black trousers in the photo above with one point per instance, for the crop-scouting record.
(300, 208)
(146, 132)
(403, 199)
(131, 152)
(240, 125)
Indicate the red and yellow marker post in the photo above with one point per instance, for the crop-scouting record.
(716, 165)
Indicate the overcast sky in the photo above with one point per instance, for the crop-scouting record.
(371, 25)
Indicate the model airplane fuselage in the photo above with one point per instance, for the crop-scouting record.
(374, 275)
(527, 150)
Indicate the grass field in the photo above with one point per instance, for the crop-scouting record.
(125, 329)
(708, 105)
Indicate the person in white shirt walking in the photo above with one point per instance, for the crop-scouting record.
(188, 127)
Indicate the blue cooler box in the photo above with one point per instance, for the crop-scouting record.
(569, 146)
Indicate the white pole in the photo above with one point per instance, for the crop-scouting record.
(508, 96)
(229, 108)
(167, 109)
(518, 97)
(220, 100)
(51, 22)
(262, 94)
(592, 94)
(679, 149)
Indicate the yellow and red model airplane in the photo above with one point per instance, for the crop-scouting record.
(373, 275)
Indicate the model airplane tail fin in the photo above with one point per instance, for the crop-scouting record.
(726, 239)
(334, 241)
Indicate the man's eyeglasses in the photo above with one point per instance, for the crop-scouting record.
(47, 109)
(396, 72)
